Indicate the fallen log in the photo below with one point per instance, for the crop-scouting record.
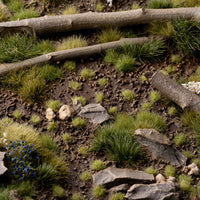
(71, 54)
(92, 20)
(177, 93)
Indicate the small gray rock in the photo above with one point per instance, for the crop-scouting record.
(3, 169)
(115, 176)
(96, 113)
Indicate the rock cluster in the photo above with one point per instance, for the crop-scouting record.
(192, 86)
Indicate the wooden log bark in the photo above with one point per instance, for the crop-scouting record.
(177, 93)
(92, 20)
(71, 54)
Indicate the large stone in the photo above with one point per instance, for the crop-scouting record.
(157, 191)
(3, 169)
(115, 176)
(160, 146)
(96, 113)
(65, 112)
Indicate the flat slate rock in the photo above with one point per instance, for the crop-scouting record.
(3, 169)
(119, 188)
(115, 176)
(96, 113)
(159, 146)
(157, 191)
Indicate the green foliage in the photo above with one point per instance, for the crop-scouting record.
(154, 96)
(146, 119)
(3, 15)
(170, 69)
(156, 4)
(180, 139)
(48, 143)
(196, 161)
(170, 171)
(50, 72)
(58, 191)
(87, 73)
(53, 104)
(78, 122)
(45, 46)
(70, 65)
(117, 196)
(25, 189)
(72, 42)
(25, 14)
(85, 176)
(175, 59)
(82, 150)
(111, 56)
(109, 35)
(15, 6)
(97, 165)
(126, 63)
(52, 126)
(195, 76)
(17, 47)
(187, 3)
(17, 114)
(143, 78)
(112, 110)
(66, 137)
(187, 154)
(35, 119)
(99, 97)
(151, 170)
(164, 72)
(80, 98)
(102, 82)
(5, 194)
(77, 196)
(128, 95)
(186, 36)
(172, 111)
(185, 182)
(135, 6)
(98, 192)
(146, 106)
(74, 85)
(99, 7)
(70, 10)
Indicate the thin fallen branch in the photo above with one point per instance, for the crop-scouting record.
(63, 23)
(71, 54)
(177, 93)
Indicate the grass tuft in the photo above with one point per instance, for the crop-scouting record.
(85, 176)
(99, 7)
(82, 150)
(185, 182)
(117, 196)
(151, 170)
(102, 82)
(170, 69)
(52, 126)
(143, 78)
(175, 59)
(25, 14)
(77, 196)
(69, 65)
(128, 95)
(35, 119)
(180, 139)
(99, 97)
(111, 56)
(70, 10)
(97, 165)
(112, 110)
(170, 171)
(48, 143)
(66, 137)
(17, 114)
(53, 104)
(87, 73)
(72, 42)
(146, 106)
(172, 111)
(81, 98)
(58, 191)
(98, 192)
(78, 122)
(74, 85)
(156, 4)
(154, 96)
(135, 6)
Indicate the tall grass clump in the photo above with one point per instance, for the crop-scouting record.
(72, 42)
(70, 10)
(186, 36)
(109, 35)
(156, 4)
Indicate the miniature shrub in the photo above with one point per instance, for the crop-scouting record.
(186, 36)
(102, 82)
(185, 182)
(172, 111)
(17, 114)
(126, 63)
(151, 170)
(111, 56)
(97, 165)
(112, 110)
(49, 143)
(146, 106)
(58, 191)
(170, 171)
(98, 191)
(117, 196)
(109, 35)
(72, 42)
(53, 104)
(143, 78)
(175, 59)
(70, 65)
(23, 159)
(80, 98)
(52, 126)
(87, 73)
(180, 139)
(50, 72)
(66, 137)
(128, 95)
(74, 85)
(156, 4)
(78, 122)
(85, 176)
(70, 10)
(154, 96)
(35, 119)
(82, 150)
(99, 97)
(146, 119)
(25, 14)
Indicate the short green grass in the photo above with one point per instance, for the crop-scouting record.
(99, 7)
(175, 59)
(66, 137)
(74, 85)
(117, 196)
(99, 97)
(102, 82)
(48, 143)
(151, 170)
(58, 191)
(77, 196)
(98, 192)
(80, 98)
(82, 150)
(25, 14)
(154, 96)
(85, 176)
(185, 182)
(112, 110)
(69, 65)
(180, 139)
(170, 69)
(172, 111)
(97, 165)
(143, 78)
(70, 10)
(156, 4)
(146, 106)
(78, 122)
(128, 95)
(170, 171)
(52, 126)
(53, 104)
(87, 73)
(35, 119)
(17, 114)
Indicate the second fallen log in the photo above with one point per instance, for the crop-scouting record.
(177, 93)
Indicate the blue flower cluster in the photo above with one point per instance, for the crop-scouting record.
(23, 158)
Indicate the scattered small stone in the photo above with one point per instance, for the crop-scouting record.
(171, 179)
(65, 112)
(50, 114)
(193, 169)
(160, 178)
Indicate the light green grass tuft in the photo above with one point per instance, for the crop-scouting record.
(98, 192)
(112, 110)
(154, 96)
(170, 69)
(128, 95)
(99, 7)
(102, 82)
(87, 73)
(97, 165)
(135, 6)
(185, 182)
(77, 196)
(172, 111)
(82, 150)
(53, 104)
(70, 10)
(170, 171)
(58, 191)
(99, 97)
(180, 139)
(151, 170)
(66, 137)
(143, 78)
(25, 14)
(52, 126)
(85, 176)
(146, 106)
(69, 65)
(74, 85)
(109, 35)
(111, 56)
(80, 98)
(78, 122)
(117, 196)
(35, 119)
(175, 59)
(17, 114)
(156, 4)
